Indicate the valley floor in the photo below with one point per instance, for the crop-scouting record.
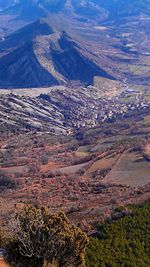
(86, 174)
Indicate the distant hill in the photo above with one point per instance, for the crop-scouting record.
(33, 9)
(121, 8)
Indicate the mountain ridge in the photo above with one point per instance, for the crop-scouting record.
(37, 46)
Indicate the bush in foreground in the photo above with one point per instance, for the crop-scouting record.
(43, 239)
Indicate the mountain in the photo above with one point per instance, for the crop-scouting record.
(39, 55)
(76, 41)
(15, 14)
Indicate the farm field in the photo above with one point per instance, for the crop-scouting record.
(132, 169)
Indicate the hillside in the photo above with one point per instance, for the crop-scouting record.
(18, 113)
(65, 109)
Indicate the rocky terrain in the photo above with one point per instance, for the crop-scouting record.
(61, 109)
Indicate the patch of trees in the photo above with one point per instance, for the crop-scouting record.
(101, 173)
(124, 242)
(6, 183)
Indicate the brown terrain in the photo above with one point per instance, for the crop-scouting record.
(87, 174)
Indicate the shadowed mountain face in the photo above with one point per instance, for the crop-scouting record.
(21, 68)
(72, 64)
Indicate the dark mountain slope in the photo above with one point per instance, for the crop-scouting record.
(21, 69)
(70, 62)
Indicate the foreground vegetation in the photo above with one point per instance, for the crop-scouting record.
(125, 242)
(43, 239)
(48, 240)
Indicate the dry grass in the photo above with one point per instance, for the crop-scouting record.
(71, 169)
(49, 166)
(15, 169)
(132, 169)
(147, 119)
(102, 164)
